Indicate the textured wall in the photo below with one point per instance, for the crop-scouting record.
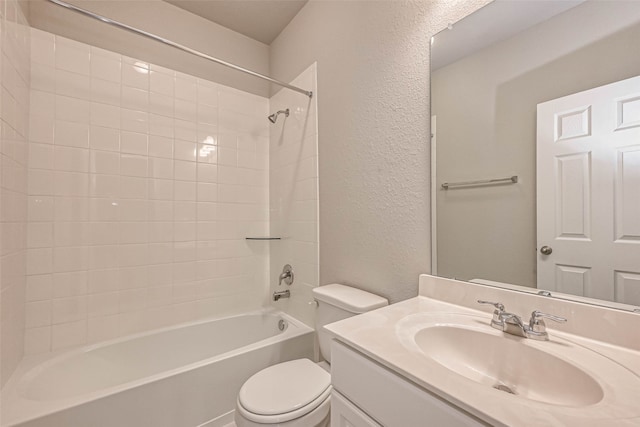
(14, 120)
(165, 20)
(373, 127)
(143, 184)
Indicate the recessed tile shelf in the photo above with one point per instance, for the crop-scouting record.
(263, 238)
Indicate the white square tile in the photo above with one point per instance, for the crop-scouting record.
(71, 109)
(160, 189)
(104, 162)
(65, 310)
(105, 68)
(184, 171)
(70, 233)
(105, 92)
(133, 210)
(71, 284)
(160, 146)
(133, 143)
(71, 209)
(37, 314)
(135, 73)
(185, 88)
(103, 281)
(103, 304)
(105, 186)
(103, 233)
(160, 168)
(134, 121)
(184, 150)
(40, 156)
(72, 57)
(40, 208)
(72, 84)
(41, 129)
(133, 165)
(39, 235)
(161, 210)
(71, 134)
(101, 138)
(40, 182)
(68, 334)
(39, 287)
(161, 104)
(103, 257)
(162, 83)
(43, 48)
(71, 159)
(72, 258)
(105, 115)
(42, 104)
(161, 125)
(104, 209)
(207, 173)
(37, 340)
(102, 328)
(133, 187)
(71, 184)
(184, 190)
(135, 99)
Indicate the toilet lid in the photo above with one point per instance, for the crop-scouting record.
(284, 387)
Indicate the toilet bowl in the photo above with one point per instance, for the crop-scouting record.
(297, 393)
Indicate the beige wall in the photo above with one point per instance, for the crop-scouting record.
(165, 20)
(486, 128)
(373, 127)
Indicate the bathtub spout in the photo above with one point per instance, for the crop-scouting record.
(281, 294)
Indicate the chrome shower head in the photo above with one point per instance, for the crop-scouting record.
(273, 117)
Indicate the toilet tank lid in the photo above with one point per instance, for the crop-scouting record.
(348, 298)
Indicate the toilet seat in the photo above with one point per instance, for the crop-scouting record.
(284, 392)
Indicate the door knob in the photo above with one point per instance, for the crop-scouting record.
(546, 250)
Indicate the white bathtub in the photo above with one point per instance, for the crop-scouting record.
(183, 376)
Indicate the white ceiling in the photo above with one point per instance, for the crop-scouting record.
(261, 20)
(497, 21)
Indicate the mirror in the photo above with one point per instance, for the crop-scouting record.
(536, 149)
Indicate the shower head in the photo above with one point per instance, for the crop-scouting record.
(273, 117)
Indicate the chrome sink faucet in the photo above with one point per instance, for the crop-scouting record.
(512, 323)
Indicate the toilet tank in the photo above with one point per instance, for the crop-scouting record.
(337, 302)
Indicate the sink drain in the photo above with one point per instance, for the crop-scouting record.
(504, 388)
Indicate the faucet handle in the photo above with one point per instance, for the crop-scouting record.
(497, 322)
(498, 305)
(536, 323)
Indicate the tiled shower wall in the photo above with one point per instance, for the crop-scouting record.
(293, 178)
(143, 184)
(14, 119)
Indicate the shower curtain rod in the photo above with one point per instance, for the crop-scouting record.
(178, 46)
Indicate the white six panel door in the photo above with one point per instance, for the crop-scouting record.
(588, 193)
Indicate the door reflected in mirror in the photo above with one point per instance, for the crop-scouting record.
(536, 141)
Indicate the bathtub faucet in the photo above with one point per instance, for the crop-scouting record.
(281, 294)
(286, 275)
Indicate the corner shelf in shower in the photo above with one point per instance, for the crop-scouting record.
(263, 238)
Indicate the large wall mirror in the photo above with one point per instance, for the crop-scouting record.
(536, 144)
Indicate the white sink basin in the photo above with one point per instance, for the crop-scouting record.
(508, 364)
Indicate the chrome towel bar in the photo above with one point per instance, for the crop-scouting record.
(512, 179)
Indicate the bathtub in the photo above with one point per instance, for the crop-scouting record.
(182, 376)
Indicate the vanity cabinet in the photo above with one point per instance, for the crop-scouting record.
(366, 394)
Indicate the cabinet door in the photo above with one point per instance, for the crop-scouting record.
(346, 414)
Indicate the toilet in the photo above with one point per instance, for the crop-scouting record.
(297, 393)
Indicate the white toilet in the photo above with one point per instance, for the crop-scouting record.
(297, 393)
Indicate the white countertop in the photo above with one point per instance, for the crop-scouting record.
(386, 336)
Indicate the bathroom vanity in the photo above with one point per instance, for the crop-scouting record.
(436, 360)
